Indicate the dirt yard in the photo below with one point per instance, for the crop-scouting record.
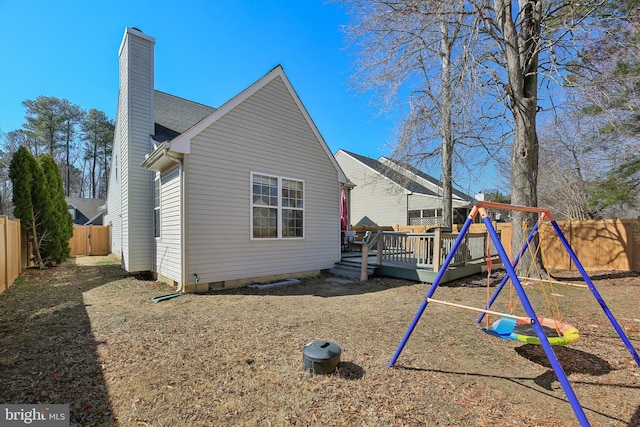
(88, 335)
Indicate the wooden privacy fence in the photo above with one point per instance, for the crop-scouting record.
(90, 240)
(612, 244)
(10, 253)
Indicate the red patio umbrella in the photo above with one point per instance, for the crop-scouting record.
(344, 213)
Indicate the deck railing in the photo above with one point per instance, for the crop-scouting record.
(425, 250)
(408, 249)
(429, 250)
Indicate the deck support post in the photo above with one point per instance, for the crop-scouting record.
(437, 249)
(364, 265)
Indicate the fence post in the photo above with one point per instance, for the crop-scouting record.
(19, 246)
(5, 226)
(89, 240)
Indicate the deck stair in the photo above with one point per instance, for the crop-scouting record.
(351, 267)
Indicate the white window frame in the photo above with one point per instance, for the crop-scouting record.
(157, 220)
(279, 208)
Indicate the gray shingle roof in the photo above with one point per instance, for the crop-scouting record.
(174, 115)
(86, 209)
(431, 179)
(393, 175)
(403, 180)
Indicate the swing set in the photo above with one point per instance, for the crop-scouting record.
(519, 329)
(529, 328)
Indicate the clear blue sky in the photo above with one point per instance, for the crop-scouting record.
(206, 51)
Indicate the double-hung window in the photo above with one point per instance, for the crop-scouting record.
(277, 207)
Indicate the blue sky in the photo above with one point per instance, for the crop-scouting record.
(206, 51)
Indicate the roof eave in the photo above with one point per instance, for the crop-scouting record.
(161, 159)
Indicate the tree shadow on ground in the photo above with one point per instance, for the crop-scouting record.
(522, 381)
(574, 276)
(635, 420)
(48, 351)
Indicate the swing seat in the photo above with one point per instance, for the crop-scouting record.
(502, 328)
(518, 330)
(558, 333)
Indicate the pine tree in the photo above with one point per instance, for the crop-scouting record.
(29, 196)
(97, 132)
(57, 219)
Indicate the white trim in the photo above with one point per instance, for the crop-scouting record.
(279, 208)
(414, 193)
(137, 33)
(397, 166)
(157, 180)
(96, 216)
(383, 176)
(182, 143)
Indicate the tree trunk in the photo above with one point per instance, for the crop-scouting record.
(35, 242)
(446, 130)
(521, 52)
(524, 176)
(68, 179)
(94, 161)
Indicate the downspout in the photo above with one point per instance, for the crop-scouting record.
(183, 227)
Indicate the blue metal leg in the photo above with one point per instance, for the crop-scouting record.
(596, 294)
(432, 289)
(524, 300)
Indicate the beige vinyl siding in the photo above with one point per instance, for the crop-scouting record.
(168, 247)
(112, 215)
(421, 201)
(374, 197)
(117, 192)
(266, 134)
(136, 106)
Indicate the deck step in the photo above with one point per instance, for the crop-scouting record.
(351, 269)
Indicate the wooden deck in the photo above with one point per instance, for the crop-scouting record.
(415, 256)
(353, 261)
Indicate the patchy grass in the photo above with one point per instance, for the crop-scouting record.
(90, 336)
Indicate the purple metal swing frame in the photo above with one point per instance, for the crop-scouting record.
(481, 207)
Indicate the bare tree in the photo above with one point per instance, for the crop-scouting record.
(566, 168)
(593, 135)
(419, 53)
(536, 42)
(523, 46)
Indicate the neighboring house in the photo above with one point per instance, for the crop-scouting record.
(389, 193)
(86, 211)
(212, 198)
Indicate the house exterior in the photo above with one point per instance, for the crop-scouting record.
(389, 193)
(86, 211)
(212, 198)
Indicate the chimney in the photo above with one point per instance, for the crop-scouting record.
(135, 125)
